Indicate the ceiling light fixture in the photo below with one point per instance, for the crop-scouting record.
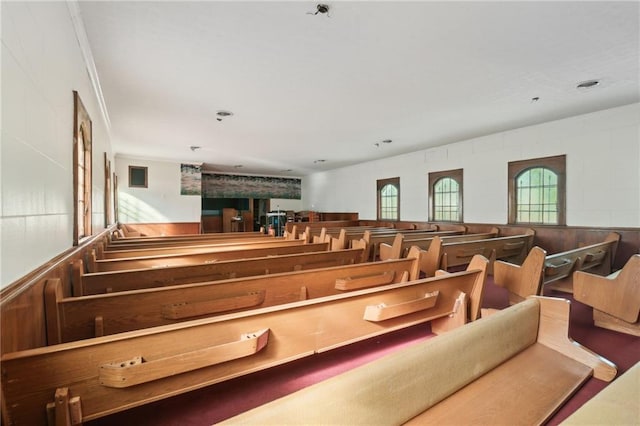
(587, 84)
(237, 166)
(320, 8)
(387, 141)
(319, 161)
(194, 148)
(223, 114)
(534, 100)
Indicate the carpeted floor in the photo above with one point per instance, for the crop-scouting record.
(215, 403)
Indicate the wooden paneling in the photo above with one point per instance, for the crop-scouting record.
(158, 229)
(22, 312)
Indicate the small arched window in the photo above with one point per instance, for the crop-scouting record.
(445, 196)
(389, 199)
(536, 191)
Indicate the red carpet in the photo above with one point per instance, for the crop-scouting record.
(218, 402)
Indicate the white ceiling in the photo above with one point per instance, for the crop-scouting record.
(305, 87)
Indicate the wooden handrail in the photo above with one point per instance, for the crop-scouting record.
(137, 370)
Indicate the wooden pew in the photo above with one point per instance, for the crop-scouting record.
(75, 318)
(208, 247)
(85, 380)
(617, 404)
(516, 367)
(513, 248)
(185, 237)
(227, 253)
(374, 241)
(401, 244)
(107, 282)
(539, 271)
(615, 298)
(176, 242)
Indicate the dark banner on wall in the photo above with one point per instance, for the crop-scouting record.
(262, 187)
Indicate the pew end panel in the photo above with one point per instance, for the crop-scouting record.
(615, 299)
(521, 281)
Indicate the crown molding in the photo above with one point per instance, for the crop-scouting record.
(85, 48)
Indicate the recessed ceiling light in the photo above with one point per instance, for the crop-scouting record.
(319, 161)
(536, 99)
(387, 141)
(237, 166)
(193, 147)
(588, 84)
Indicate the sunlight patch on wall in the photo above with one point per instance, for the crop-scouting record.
(132, 210)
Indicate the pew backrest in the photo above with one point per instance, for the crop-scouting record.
(107, 282)
(235, 252)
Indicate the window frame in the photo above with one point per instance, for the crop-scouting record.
(146, 176)
(458, 176)
(558, 165)
(82, 171)
(381, 183)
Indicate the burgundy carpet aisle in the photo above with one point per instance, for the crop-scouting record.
(218, 402)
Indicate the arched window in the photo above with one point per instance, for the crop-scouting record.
(536, 191)
(445, 196)
(389, 199)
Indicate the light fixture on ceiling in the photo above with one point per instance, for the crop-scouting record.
(286, 170)
(535, 99)
(223, 114)
(386, 141)
(588, 84)
(320, 8)
(194, 147)
(237, 166)
(318, 161)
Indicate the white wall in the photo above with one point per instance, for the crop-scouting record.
(284, 204)
(603, 172)
(41, 66)
(161, 201)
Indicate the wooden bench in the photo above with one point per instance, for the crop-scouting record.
(76, 318)
(615, 298)
(401, 243)
(210, 256)
(374, 241)
(513, 248)
(106, 282)
(617, 404)
(515, 367)
(180, 241)
(81, 381)
(539, 270)
(198, 248)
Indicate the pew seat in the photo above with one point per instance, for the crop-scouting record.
(514, 367)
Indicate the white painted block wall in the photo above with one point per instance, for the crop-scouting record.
(42, 65)
(603, 172)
